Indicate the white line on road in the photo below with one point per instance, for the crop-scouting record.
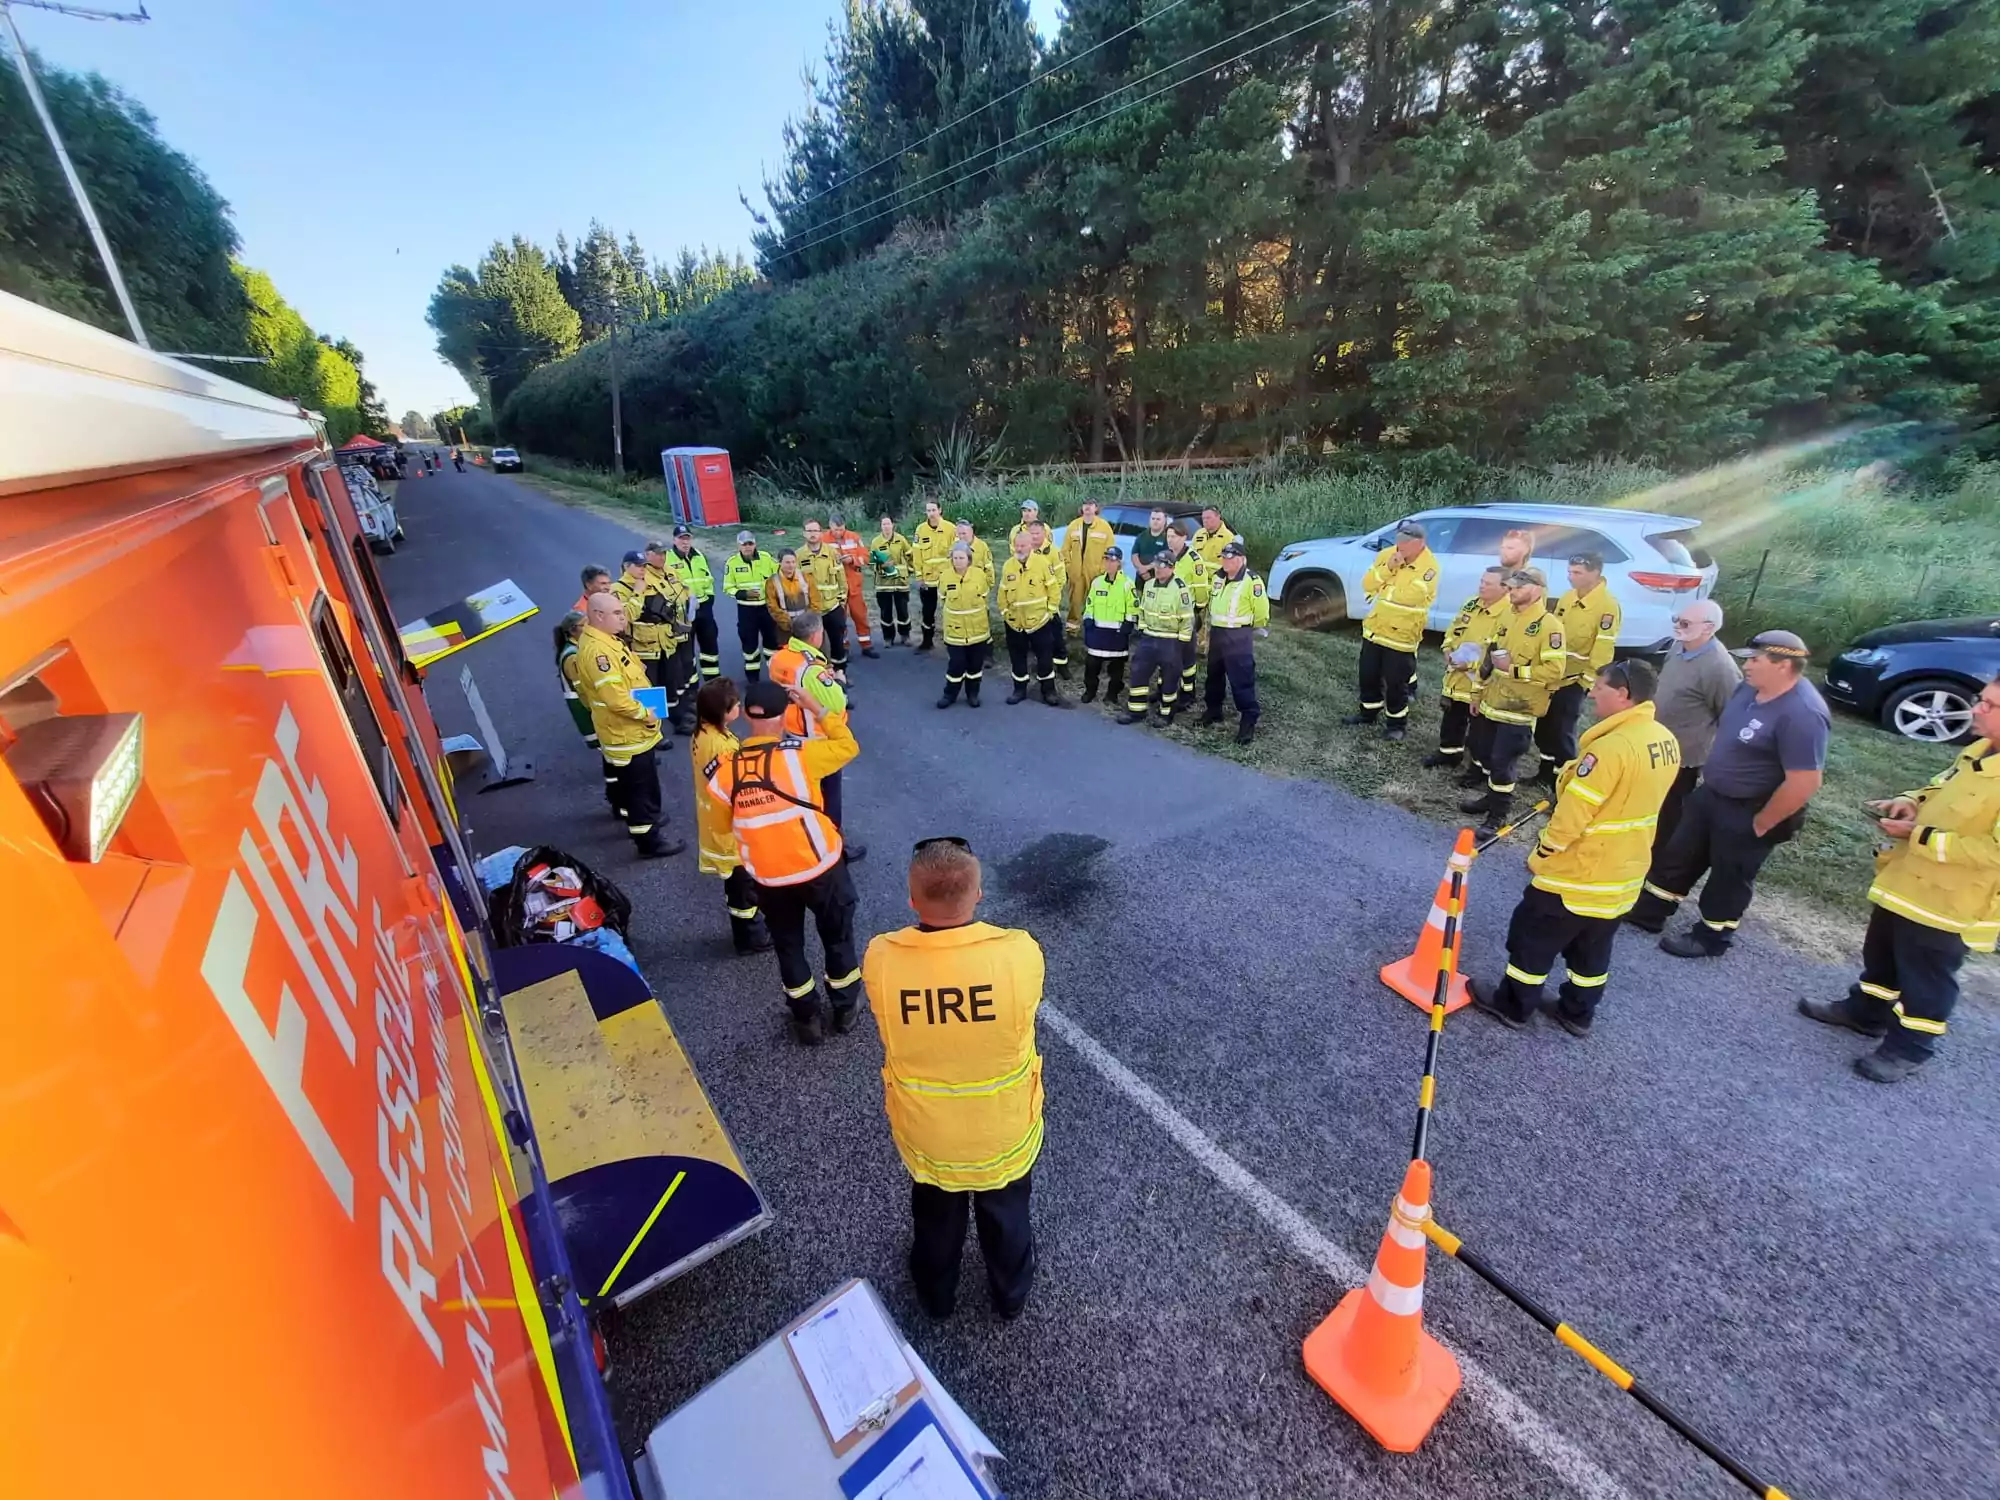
(1507, 1411)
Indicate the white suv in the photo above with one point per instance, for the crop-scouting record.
(1649, 562)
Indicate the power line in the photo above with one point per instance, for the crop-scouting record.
(1038, 78)
(1074, 129)
(1071, 114)
(76, 190)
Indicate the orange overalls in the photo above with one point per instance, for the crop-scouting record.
(853, 555)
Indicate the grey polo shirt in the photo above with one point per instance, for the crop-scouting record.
(1695, 687)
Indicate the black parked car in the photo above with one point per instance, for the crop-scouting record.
(1919, 679)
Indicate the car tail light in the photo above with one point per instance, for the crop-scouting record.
(1667, 583)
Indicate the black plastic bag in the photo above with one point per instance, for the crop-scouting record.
(508, 909)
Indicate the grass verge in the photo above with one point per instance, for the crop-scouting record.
(1814, 890)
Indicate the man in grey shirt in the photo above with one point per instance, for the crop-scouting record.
(1768, 759)
(1695, 685)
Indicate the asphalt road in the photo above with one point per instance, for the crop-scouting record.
(1802, 1261)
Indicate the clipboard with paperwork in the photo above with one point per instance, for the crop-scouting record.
(852, 1365)
(652, 699)
(914, 1460)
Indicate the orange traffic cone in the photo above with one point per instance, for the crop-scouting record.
(1415, 977)
(1372, 1354)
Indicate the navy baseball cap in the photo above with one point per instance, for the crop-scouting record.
(1233, 549)
(635, 557)
(1116, 553)
(683, 530)
(764, 699)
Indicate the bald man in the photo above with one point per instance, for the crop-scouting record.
(955, 1001)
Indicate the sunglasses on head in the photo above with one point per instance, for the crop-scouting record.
(1617, 675)
(943, 838)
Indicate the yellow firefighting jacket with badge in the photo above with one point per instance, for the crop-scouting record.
(649, 638)
(961, 1078)
(892, 559)
(828, 573)
(930, 549)
(962, 598)
(695, 573)
(1533, 641)
(1599, 840)
(1083, 549)
(1590, 626)
(1166, 610)
(1209, 545)
(717, 833)
(1472, 626)
(1946, 874)
(611, 670)
(1192, 569)
(1400, 596)
(1030, 592)
(669, 584)
(1238, 601)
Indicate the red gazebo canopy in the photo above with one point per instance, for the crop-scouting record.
(359, 441)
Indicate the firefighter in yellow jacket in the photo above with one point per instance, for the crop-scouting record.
(955, 1001)
(1936, 893)
(1464, 645)
(1031, 609)
(930, 555)
(1401, 585)
(1588, 868)
(1083, 548)
(1523, 664)
(966, 623)
(627, 735)
(1591, 620)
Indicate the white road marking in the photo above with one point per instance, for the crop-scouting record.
(1500, 1405)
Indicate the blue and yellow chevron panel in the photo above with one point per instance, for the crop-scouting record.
(646, 1181)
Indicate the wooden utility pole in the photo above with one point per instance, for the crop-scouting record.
(617, 410)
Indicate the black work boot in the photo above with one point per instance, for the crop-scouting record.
(1089, 693)
(1210, 716)
(1483, 1000)
(1478, 803)
(1363, 717)
(1885, 1066)
(1472, 777)
(1246, 731)
(808, 1030)
(925, 643)
(1437, 760)
(752, 937)
(657, 845)
(1838, 1013)
(1020, 693)
(950, 695)
(1049, 695)
(972, 693)
(844, 1017)
(1693, 943)
(1130, 715)
(1397, 730)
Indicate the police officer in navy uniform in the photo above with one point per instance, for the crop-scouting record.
(1239, 611)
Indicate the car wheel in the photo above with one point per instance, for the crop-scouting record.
(383, 547)
(1316, 601)
(1933, 709)
(398, 534)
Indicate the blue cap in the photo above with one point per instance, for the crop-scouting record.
(635, 557)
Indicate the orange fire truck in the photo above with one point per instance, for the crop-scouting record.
(272, 1221)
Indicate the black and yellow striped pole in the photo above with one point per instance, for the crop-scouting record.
(1599, 1361)
(1454, 911)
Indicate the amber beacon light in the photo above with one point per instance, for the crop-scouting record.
(82, 773)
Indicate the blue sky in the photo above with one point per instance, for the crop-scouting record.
(364, 146)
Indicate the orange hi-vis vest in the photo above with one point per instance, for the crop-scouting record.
(771, 785)
(961, 1079)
